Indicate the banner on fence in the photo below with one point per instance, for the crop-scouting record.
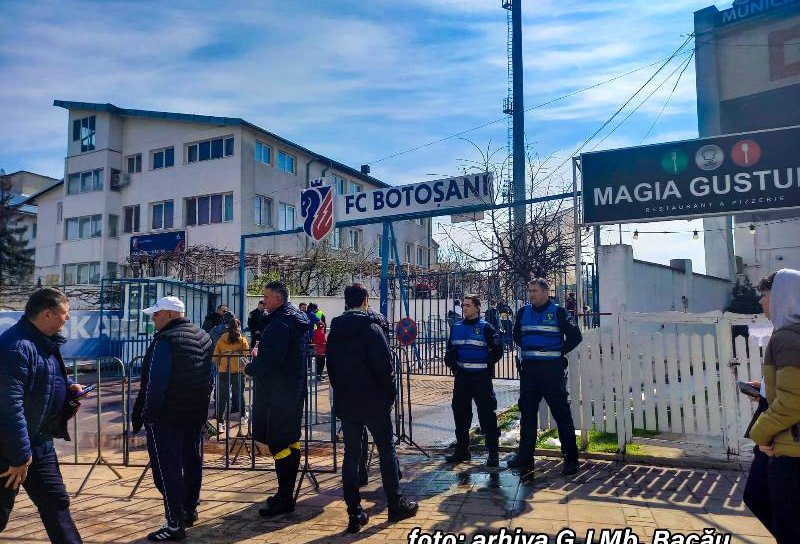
(85, 340)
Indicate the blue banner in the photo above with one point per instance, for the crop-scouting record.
(150, 244)
(82, 331)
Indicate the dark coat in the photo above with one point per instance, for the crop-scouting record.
(212, 320)
(360, 366)
(27, 378)
(279, 376)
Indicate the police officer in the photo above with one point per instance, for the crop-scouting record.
(545, 333)
(472, 350)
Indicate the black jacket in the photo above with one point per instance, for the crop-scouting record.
(566, 322)
(360, 366)
(279, 375)
(254, 322)
(212, 320)
(184, 392)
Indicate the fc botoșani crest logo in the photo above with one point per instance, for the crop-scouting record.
(316, 207)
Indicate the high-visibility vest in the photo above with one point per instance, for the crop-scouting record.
(469, 341)
(541, 337)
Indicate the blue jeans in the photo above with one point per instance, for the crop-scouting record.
(45, 487)
(380, 427)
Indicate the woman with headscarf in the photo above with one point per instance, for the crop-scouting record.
(776, 432)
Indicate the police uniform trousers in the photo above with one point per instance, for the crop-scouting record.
(176, 460)
(475, 386)
(545, 380)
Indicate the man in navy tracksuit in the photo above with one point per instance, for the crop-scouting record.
(173, 405)
(545, 333)
(472, 350)
(36, 392)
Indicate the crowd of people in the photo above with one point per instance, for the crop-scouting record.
(183, 362)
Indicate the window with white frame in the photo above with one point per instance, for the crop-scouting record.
(422, 256)
(83, 228)
(285, 216)
(162, 215)
(355, 239)
(408, 254)
(113, 226)
(111, 270)
(162, 158)
(263, 211)
(263, 153)
(135, 163)
(355, 188)
(286, 162)
(339, 182)
(130, 221)
(209, 209)
(84, 130)
(81, 273)
(336, 238)
(85, 182)
(420, 221)
(206, 150)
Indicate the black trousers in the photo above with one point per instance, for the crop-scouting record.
(176, 459)
(475, 386)
(45, 487)
(772, 493)
(545, 380)
(756, 490)
(380, 427)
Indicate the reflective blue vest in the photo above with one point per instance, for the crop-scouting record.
(541, 338)
(469, 341)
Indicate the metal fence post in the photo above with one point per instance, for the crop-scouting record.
(728, 375)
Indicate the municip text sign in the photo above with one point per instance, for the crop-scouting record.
(693, 178)
(440, 194)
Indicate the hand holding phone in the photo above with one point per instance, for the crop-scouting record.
(86, 390)
(748, 389)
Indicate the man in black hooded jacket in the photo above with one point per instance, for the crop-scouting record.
(279, 375)
(362, 377)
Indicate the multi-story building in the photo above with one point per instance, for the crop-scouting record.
(207, 180)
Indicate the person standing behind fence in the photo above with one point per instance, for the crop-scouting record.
(362, 377)
(34, 408)
(545, 333)
(506, 324)
(230, 382)
(279, 375)
(173, 405)
(472, 350)
(254, 319)
(214, 318)
(777, 429)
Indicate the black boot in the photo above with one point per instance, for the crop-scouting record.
(493, 460)
(277, 505)
(570, 467)
(356, 522)
(283, 501)
(401, 510)
(515, 460)
(460, 455)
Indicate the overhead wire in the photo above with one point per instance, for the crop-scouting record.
(666, 102)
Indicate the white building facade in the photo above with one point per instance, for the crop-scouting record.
(134, 174)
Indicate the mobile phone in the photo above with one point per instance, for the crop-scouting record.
(748, 389)
(86, 390)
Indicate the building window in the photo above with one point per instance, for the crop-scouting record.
(420, 221)
(131, 219)
(263, 153)
(421, 256)
(336, 238)
(59, 212)
(285, 162)
(340, 183)
(263, 211)
(285, 216)
(355, 188)
(355, 239)
(83, 228)
(83, 130)
(113, 226)
(208, 209)
(81, 273)
(111, 270)
(163, 158)
(85, 182)
(162, 215)
(408, 254)
(135, 163)
(206, 150)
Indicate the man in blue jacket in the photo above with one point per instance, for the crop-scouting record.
(545, 332)
(36, 393)
(173, 405)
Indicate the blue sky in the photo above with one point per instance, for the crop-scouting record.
(357, 81)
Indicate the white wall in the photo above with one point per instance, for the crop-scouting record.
(630, 285)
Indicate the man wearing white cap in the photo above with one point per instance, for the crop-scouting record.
(172, 405)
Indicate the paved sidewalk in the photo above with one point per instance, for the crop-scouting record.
(466, 500)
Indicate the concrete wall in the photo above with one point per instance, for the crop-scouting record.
(630, 285)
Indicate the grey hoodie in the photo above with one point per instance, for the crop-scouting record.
(784, 300)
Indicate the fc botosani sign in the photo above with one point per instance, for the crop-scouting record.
(440, 194)
(694, 178)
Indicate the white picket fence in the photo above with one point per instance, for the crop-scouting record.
(682, 380)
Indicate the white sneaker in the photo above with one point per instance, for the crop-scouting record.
(220, 428)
